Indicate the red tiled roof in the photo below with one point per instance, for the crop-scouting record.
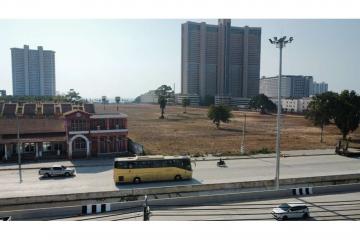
(32, 125)
(34, 139)
(74, 111)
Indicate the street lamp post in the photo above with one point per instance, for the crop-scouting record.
(18, 148)
(280, 43)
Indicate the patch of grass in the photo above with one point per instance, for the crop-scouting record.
(263, 150)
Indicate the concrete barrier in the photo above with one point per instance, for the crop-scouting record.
(59, 212)
(39, 213)
(260, 184)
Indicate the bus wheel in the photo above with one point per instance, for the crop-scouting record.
(178, 177)
(137, 180)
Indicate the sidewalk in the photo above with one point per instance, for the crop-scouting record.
(93, 162)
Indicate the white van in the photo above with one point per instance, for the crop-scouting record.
(290, 211)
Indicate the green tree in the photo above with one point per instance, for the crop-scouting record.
(219, 114)
(263, 103)
(164, 93)
(117, 100)
(185, 103)
(73, 96)
(347, 112)
(137, 99)
(320, 110)
(162, 101)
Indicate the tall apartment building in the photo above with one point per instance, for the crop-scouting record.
(33, 72)
(292, 86)
(318, 88)
(220, 60)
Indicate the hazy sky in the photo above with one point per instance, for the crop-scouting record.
(129, 57)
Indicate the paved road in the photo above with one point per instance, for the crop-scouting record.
(325, 207)
(99, 178)
(109, 161)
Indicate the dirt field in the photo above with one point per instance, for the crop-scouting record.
(193, 133)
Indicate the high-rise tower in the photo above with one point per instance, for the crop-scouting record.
(220, 61)
(33, 72)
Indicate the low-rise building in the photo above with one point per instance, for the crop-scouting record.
(293, 105)
(149, 97)
(2, 93)
(72, 133)
(193, 98)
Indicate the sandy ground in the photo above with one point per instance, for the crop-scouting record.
(194, 133)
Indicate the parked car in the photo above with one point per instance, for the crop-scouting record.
(7, 218)
(291, 211)
(57, 171)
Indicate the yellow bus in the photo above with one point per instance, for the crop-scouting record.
(151, 168)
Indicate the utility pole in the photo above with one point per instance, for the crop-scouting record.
(280, 43)
(146, 210)
(242, 149)
(18, 148)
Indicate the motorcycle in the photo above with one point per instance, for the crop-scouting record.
(221, 163)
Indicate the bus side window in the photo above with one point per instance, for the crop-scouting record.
(171, 163)
(178, 163)
(131, 165)
(121, 165)
(143, 164)
(157, 164)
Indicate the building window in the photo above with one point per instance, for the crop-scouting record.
(78, 125)
(58, 146)
(79, 144)
(29, 147)
(47, 147)
(103, 144)
(98, 124)
(116, 123)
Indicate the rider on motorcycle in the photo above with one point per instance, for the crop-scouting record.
(221, 162)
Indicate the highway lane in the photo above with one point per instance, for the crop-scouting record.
(99, 178)
(345, 206)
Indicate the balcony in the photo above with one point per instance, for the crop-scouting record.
(123, 130)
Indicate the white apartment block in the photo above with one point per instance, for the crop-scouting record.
(33, 72)
(149, 97)
(292, 86)
(293, 105)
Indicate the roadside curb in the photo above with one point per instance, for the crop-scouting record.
(255, 157)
